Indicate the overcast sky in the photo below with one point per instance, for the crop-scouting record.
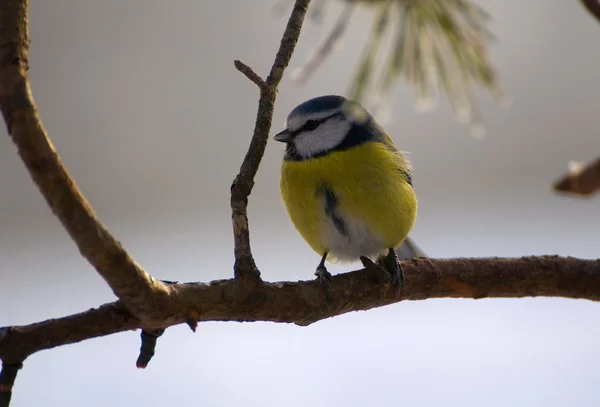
(146, 109)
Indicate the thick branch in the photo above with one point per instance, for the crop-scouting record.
(584, 181)
(127, 279)
(244, 181)
(305, 302)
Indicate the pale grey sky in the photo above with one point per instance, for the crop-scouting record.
(146, 109)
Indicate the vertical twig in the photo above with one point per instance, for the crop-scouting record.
(244, 181)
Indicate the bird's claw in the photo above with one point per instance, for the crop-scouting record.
(324, 278)
(395, 269)
(323, 275)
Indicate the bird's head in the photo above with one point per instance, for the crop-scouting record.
(323, 124)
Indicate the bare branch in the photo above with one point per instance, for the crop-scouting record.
(127, 279)
(244, 181)
(584, 181)
(304, 302)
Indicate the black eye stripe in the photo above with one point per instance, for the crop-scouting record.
(311, 125)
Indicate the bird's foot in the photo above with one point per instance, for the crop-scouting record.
(378, 267)
(395, 269)
(323, 275)
(324, 278)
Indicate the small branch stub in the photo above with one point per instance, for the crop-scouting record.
(147, 349)
(250, 74)
(192, 320)
(7, 380)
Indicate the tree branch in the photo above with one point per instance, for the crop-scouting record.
(304, 302)
(244, 181)
(128, 280)
(584, 181)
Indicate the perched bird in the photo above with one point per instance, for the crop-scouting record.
(347, 188)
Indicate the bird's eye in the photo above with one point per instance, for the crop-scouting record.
(310, 125)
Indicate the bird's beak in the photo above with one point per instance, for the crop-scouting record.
(283, 136)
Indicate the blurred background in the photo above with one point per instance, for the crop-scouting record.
(146, 109)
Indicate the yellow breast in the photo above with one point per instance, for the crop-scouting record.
(371, 193)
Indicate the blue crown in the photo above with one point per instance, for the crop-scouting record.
(318, 104)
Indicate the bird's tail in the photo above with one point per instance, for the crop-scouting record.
(408, 249)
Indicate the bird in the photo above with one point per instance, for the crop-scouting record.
(347, 188)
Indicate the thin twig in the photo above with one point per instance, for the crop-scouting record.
(244, 181)
(125, 277)
(304, 302)
(250, 74)
(584, 181)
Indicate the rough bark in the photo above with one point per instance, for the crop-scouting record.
(305, 302)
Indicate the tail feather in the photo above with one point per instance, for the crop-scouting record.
(408, 249)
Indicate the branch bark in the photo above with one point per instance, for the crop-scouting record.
(304, 302)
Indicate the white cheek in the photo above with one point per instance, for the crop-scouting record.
(324, 138)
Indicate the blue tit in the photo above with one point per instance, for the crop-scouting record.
(347, 188)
